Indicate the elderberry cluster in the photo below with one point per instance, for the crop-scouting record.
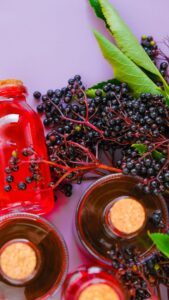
(154, 171)
(113, 118)
(164, 69)
(138, 281)
(136, 285)
(125, 262)
(156, 55)
(150, 46)
(156, 270)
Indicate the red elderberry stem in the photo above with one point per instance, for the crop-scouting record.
(54, 164)
(86, 168)
(85, 122)
(86, 150)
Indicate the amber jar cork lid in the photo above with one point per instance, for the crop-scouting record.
(18, 261)
(12, 88)
(98, 291)
(7, 82)
(127, 215)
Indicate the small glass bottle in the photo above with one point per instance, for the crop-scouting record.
(91, 283)
(21, 188)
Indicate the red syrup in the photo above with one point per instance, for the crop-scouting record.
(20, 127)
(94, 276)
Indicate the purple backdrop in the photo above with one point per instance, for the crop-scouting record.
(46, 42)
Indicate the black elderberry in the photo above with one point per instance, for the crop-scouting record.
(67, 129)
(46, 122)
(36, 177)
(150, 171)
(9, 178)
(50, 93)
(166, 176)
(133, 172)
(37, 95)
(67, 99)
(7, 188)
(148, 162)
(75, 108)
(77, 77)
(27, 151)
(146, 189)
(28, 179)
(40, 108)
(156, 217)
(55, 100)
(8, 170)
(164, 65)
(15, 168)
(130, 165)
(58, 93)
(154, 184)
(21, 186)
(44, 98)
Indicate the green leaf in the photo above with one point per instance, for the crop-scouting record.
(97, 8)
(91, 93)
(141, 148)
(125, 39)
(125, 70)
(157, 155)
(161, 241)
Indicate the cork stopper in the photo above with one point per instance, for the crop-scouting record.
(98, 291)
(18, 261)
(127, 215)
(12, 88)
(9, 82)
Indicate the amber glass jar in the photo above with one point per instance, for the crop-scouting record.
(33, 258)
(114, 212)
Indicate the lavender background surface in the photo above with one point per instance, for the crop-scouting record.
(44, 42)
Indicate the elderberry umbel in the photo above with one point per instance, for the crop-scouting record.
(153, 166)
(81, 128)
(150, 46)
(160, 59)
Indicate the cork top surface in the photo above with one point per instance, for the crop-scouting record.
(98, 291)
(127, 215)
(18, 261)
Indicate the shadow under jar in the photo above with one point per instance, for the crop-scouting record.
(113, 213)
(33, 258)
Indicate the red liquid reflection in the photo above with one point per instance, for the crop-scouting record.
(21, 127)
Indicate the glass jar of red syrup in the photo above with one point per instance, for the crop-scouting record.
(24, 184)
(92, 282)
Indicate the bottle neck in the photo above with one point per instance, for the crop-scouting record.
(12, 89)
